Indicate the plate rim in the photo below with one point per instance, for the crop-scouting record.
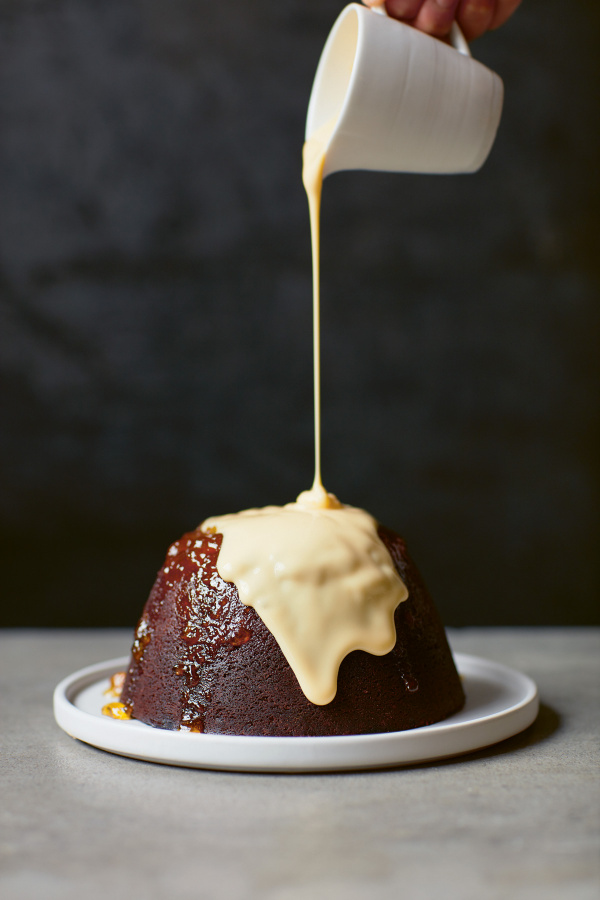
(441, 740)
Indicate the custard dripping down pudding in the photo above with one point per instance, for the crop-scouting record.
(327, 630)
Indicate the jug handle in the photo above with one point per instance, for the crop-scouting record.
(457, 38)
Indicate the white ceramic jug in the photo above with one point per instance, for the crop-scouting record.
(404, 101)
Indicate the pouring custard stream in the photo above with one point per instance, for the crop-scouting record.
(313, 158)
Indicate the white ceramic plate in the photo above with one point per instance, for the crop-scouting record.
(500, 703)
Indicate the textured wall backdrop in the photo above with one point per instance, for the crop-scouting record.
(155, 317)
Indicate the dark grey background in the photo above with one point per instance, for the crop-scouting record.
(155, 318)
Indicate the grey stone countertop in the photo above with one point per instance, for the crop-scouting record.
(518, 820)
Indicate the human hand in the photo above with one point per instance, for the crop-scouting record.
(436, 16)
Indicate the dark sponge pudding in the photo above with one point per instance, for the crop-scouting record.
(203, 661)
